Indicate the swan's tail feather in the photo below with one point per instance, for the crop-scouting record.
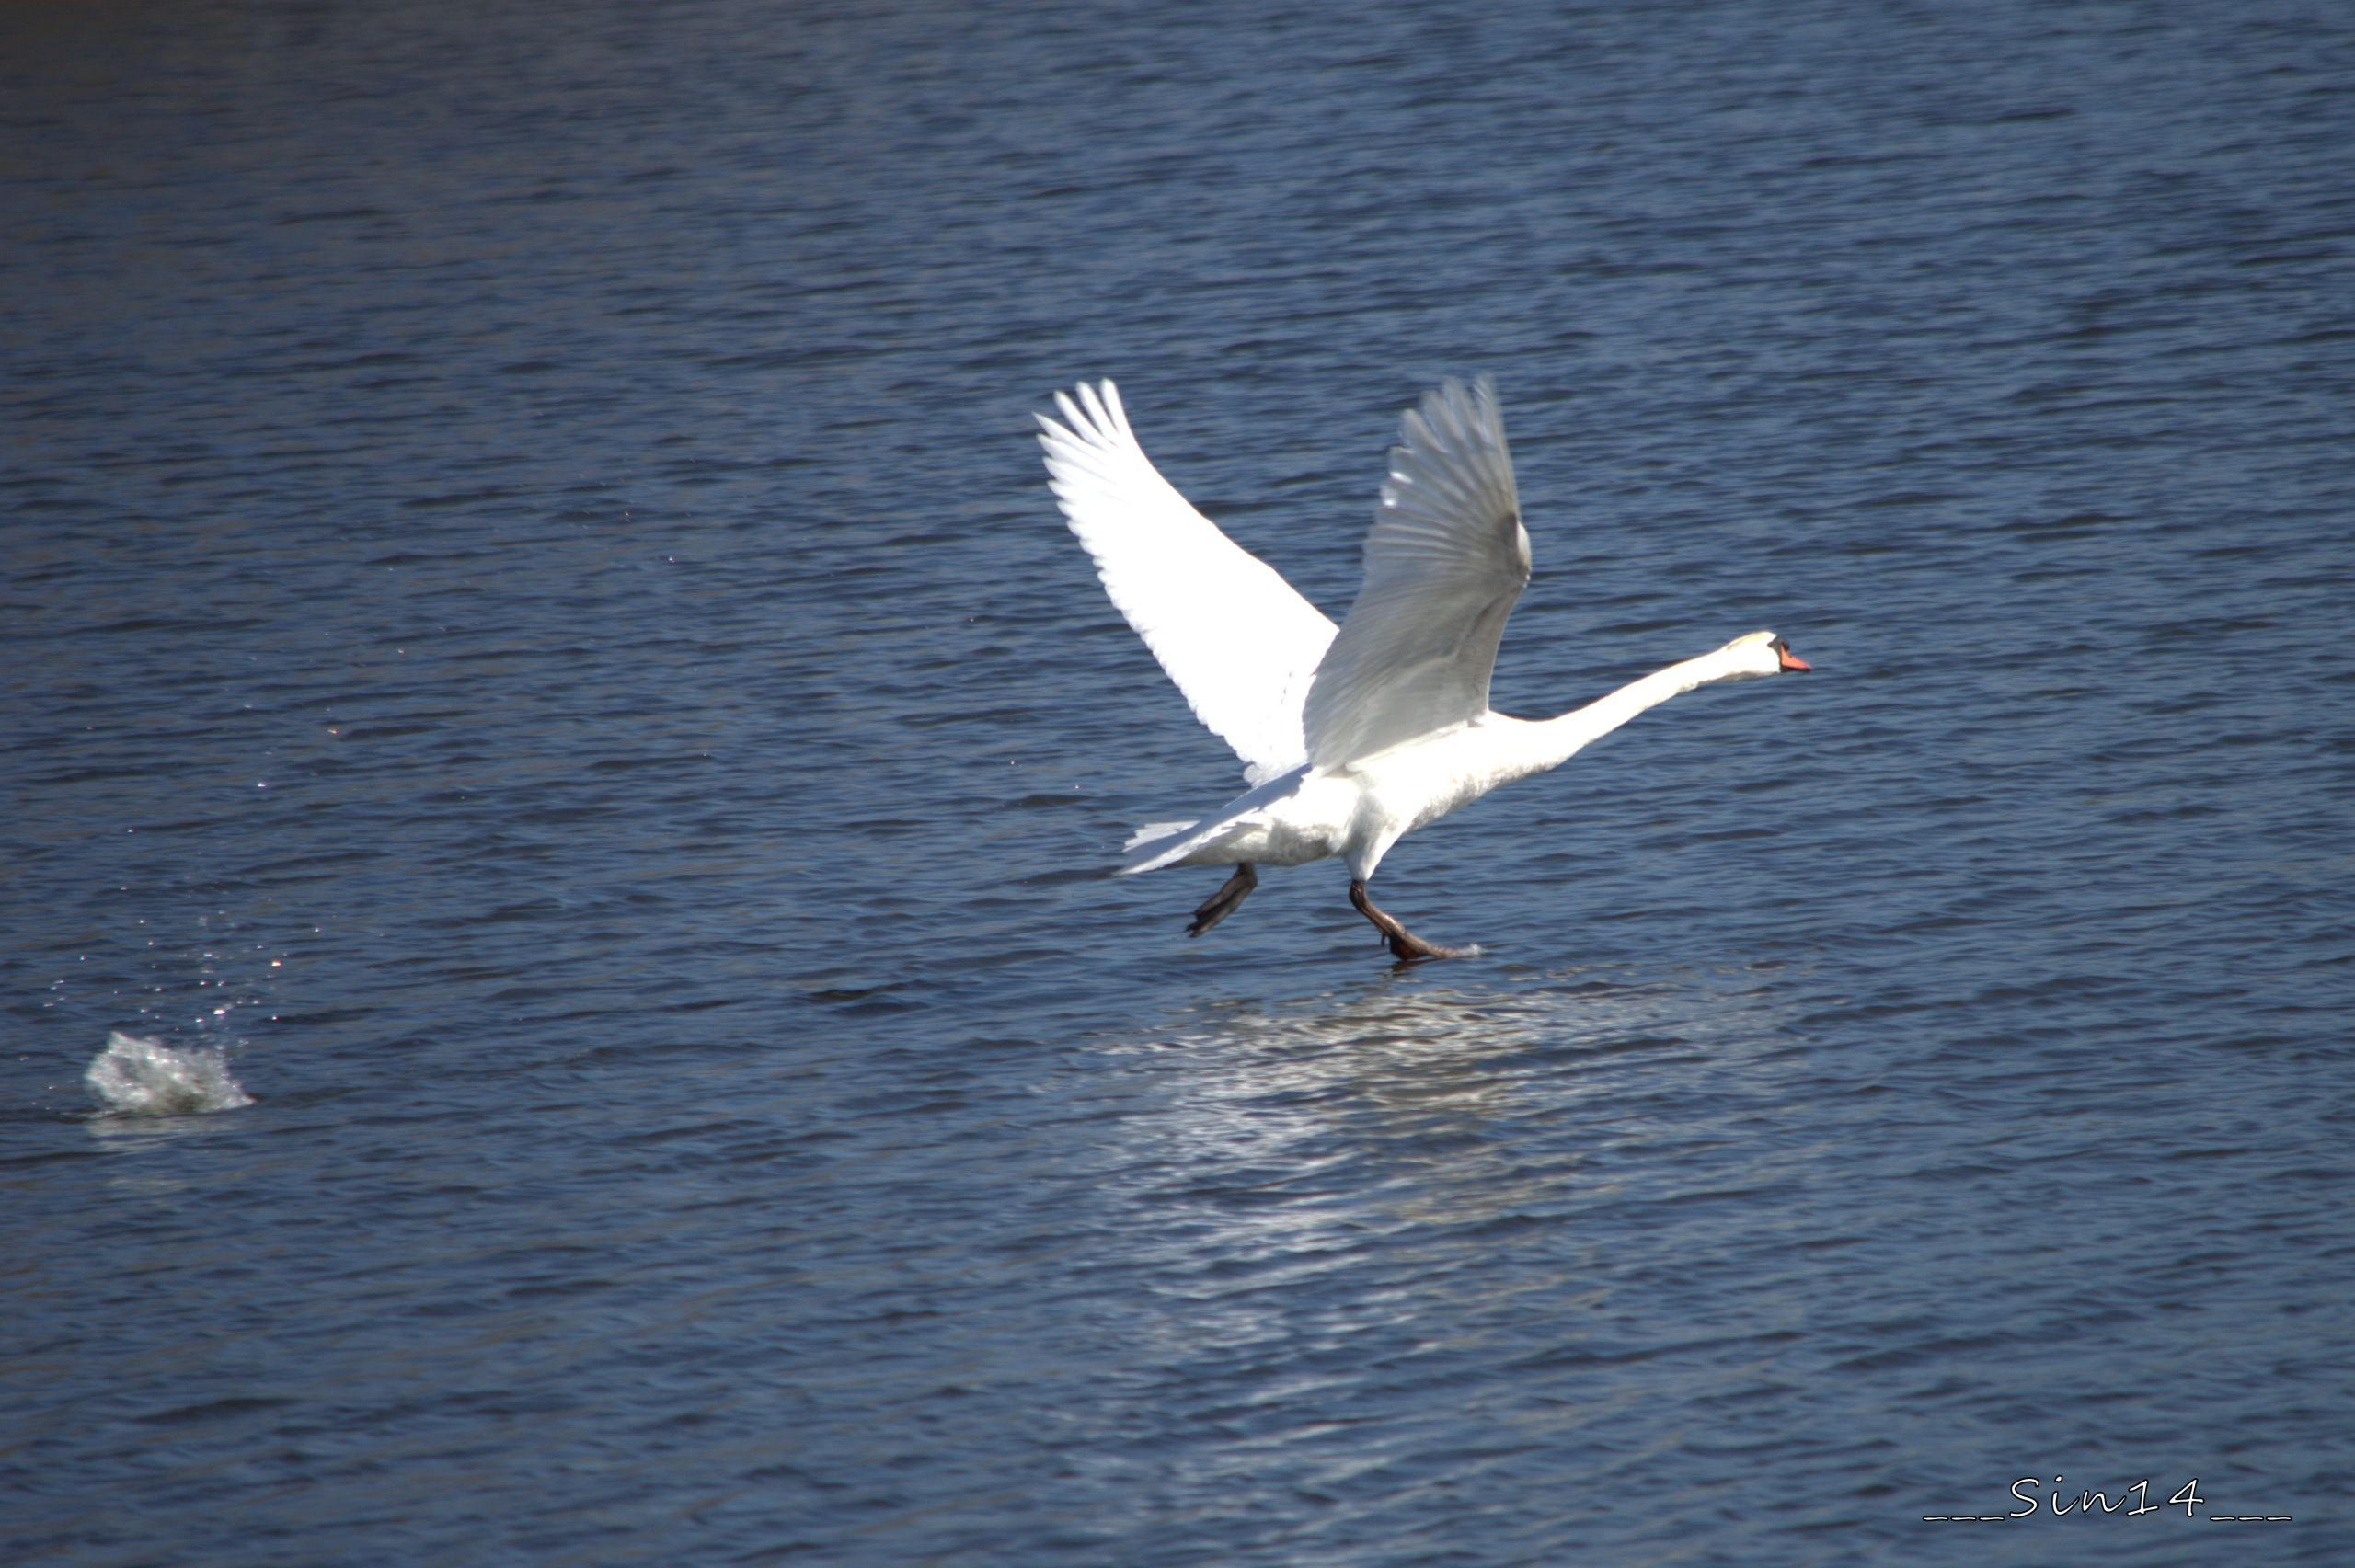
(1153, 847)
(1149, 852)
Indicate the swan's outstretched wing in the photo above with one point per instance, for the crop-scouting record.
(1446, 560)
(1239, 642)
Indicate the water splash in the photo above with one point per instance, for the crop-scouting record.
(136, 1076)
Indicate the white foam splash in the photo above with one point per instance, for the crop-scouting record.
(148, 1078)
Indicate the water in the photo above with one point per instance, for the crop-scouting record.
(136, 1076)
(534, 624)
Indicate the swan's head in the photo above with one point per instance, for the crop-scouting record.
(1760, 653)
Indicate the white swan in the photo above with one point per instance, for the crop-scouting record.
(1355, 737)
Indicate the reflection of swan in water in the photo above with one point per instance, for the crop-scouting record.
(1446, 1076)
(1392, 1165)
(1424, 1045)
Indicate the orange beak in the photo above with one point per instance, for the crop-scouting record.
(1793, 661)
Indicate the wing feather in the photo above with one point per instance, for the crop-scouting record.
(1241, 643)
(1444, 562)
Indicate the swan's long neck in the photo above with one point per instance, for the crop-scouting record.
(1551, 742)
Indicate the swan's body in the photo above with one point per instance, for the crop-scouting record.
(1352, 737)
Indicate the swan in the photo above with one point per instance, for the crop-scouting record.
(1352, 737)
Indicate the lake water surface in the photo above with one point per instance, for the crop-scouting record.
(533, 624)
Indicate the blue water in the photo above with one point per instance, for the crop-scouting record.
(533, 621)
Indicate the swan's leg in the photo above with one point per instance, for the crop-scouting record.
(1221, 904)
(1404, 943)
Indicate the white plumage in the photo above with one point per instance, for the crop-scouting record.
(1444, 561)
(1350, 739)
(1238, 641)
